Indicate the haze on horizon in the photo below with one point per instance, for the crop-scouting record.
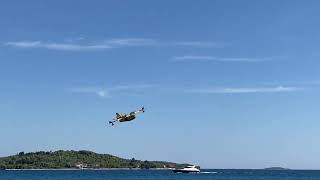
(225, 84)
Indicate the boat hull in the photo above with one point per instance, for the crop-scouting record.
(185, 171)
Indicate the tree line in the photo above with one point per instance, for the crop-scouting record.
(75, 159)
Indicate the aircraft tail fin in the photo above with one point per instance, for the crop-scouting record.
(142, 109)
(118, 115)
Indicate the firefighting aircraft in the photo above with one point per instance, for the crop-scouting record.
(126, 117)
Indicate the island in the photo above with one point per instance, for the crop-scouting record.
(276, 168)
(83, 159)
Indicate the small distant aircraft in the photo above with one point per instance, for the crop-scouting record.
(126, 117)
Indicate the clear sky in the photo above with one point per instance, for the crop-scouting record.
(225, 84)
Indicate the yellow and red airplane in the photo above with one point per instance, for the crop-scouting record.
(126, 117)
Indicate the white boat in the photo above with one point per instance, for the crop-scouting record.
(187, 169)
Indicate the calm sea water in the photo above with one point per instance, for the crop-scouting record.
(161, 175)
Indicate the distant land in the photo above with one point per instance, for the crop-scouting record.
(276, 168)
(77, 160)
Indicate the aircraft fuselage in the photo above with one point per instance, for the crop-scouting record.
(128, 118)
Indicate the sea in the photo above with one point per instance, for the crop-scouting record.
(213, 174)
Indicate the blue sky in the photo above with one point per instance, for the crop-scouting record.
(225, 84)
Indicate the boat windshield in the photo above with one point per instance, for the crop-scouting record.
(189, 166)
